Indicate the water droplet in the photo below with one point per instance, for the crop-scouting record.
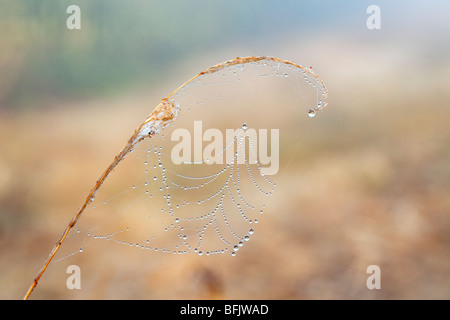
(81, 250)
(236, 248)
(251, 231)
(246, 238)
(233, 253)
(177, 220)
(244, 126)
(311, 113)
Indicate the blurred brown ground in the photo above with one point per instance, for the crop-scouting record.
(374, 189)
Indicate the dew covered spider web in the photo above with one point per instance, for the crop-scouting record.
(200, 174)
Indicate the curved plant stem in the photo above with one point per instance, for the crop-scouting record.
(163, 114)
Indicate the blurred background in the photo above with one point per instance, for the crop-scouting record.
(374, 188)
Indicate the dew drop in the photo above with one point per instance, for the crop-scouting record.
(244, 126)
(251, 231)
(311, 113)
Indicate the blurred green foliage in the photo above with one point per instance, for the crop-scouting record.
(119, 43)
(122, 42)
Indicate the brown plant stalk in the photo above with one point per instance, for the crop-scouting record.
(165, 113)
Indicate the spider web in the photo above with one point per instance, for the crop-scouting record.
(156, 202)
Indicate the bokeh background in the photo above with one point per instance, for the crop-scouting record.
(373, 190)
